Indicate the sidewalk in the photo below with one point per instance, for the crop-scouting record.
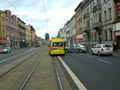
(117, 53)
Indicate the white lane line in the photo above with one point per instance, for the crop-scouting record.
(89, 56)
(105, 61)
(72, 75)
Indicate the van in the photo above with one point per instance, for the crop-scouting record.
(57, 47)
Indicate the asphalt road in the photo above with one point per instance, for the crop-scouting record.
(15, 53)
(95, 72)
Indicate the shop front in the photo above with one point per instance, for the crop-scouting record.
(116, 28)
(79, 39)
(3, 43)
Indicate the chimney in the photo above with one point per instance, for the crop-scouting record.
(8, 13)
(14, 17)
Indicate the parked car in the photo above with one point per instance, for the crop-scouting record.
(76, 48)
(71, 48)
(81, 48)
(5, 50)
(101, 49)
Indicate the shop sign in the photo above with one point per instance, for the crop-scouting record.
(118, 9)
(118, 33)
(79, 36)
(116, 27)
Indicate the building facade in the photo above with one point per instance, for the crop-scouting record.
(3, 33)
(78, 24)
(67, 25)
(29, 35)
(116, 24)
(22, 29)
(13, 33)
(73, 29)
(33, 36)
(98, 17)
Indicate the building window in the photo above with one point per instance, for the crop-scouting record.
(98, 2)
(111, 35)
(104, 1)
(95, 36)
(105, 16)
(3, 34)
(91, 8)
(91, 21)
(3, 21)
(110, 16)
(106, 35)
(100, 18)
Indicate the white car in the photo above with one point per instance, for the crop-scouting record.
(5, 50)
(101, 49)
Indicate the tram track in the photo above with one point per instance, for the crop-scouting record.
(57, 74)
(20, 70)
(36, 71)
(15, 66)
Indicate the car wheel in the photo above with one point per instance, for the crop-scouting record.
(99, 54)
(66, 51)
(92, 52)
(80, 50)
(111, 54)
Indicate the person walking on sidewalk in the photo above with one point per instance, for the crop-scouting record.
(115, 45)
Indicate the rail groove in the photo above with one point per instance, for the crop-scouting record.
(57, 74)
(5, 73)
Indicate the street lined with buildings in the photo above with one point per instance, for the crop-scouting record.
(14, 32)
(94, 21)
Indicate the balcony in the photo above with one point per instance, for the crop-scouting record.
(96, 8)
(86, 15)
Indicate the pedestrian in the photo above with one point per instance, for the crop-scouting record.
(115, 45)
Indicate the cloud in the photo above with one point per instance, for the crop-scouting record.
(32, 12)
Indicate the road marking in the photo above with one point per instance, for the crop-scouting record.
(105, 61)
(72, 75)
(83, 54)
(89, 56)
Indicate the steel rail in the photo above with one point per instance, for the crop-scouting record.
(57, 74)
(25, 59)
(28, 77)
(58, 77)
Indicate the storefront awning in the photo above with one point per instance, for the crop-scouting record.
(3, 41)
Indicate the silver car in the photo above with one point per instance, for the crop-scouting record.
(101, 49)
(76, 48)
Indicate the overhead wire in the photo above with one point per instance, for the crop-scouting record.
(14, 6)
(45, 14)
(16, 9)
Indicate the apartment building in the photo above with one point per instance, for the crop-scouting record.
(108, 17)
(98, 17)
(3, 33)
(67, 25)
(62, 33)
(78, 24)
(22, 29)
(73, 29)
(116, 24)
(28, 35)
(13, 33)
(33, 35)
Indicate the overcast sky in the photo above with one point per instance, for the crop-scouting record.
(32, 12)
